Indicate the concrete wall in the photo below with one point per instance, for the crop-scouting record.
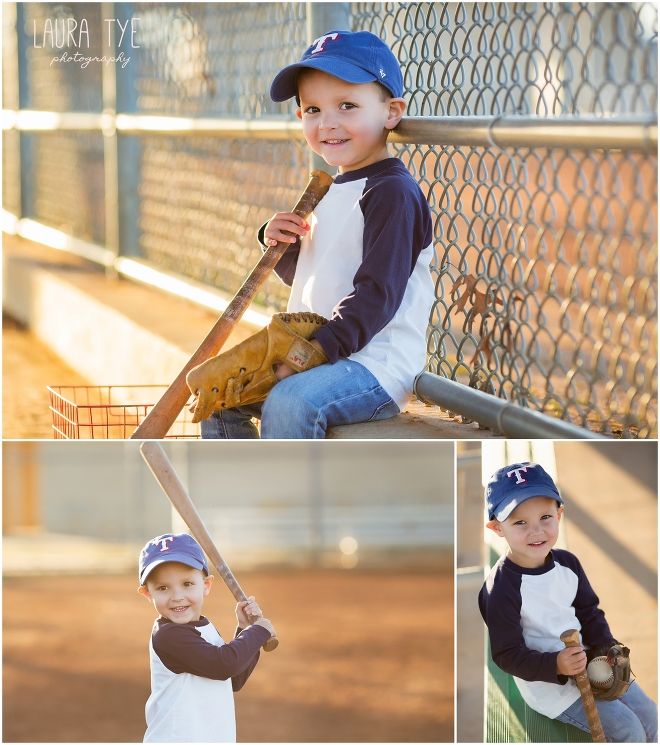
(275, 500)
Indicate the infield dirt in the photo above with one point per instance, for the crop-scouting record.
(364, 656)
(28, 366)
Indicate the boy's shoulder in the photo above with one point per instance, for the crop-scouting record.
(503, 588)
(500, 578)
(505, 575)
(388, 175)
(567, 559)
(175, 642)
(387, 188)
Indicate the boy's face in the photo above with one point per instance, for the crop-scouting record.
(531, 530)
(346, 124)
(177, 591)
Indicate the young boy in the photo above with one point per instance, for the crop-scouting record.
(361, 260)
(193, 671)
(535, 593)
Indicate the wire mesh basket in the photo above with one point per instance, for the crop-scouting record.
(109, 412)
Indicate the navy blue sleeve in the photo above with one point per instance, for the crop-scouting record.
(286, 266)
(239, 680)
(500, 602)
(397, 227)
(595, 630)
(182, 649)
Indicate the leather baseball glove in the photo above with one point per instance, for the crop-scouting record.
(614, 686)
(245, 373)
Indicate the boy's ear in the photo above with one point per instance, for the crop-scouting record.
(397, 108)
(208, 581)
(495, 526)
(299, 112)
(142, 589)
(560, 512)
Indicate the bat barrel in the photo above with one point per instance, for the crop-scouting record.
(164, 473)
(571, 638)
(164, 413)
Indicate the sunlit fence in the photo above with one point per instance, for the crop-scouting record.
(532, 130)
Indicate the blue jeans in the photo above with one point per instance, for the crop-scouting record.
(304, 405)
(631, 718)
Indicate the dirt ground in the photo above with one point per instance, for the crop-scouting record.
(28, 366)
(363, 656)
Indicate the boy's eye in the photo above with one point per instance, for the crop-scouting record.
(519, 522)
(311, 110)
(346, 105)
(546, 517)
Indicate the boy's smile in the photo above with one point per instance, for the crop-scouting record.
(177, 591)
(531, 530)
(346, 123)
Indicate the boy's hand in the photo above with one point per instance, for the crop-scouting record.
(266, 624)
(246, 610)
(571, 661)
(284, 221)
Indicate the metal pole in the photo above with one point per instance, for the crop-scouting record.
(631, 133)
(110, 147)
(128, 148)
(25, 142)
(316, 504)
(625, 133)
(10, 34)
(498, 415)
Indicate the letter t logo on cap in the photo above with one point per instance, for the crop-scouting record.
(517, 471)
(321, 41)
(163, 542)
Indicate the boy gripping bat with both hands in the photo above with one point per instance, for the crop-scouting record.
(193, 671)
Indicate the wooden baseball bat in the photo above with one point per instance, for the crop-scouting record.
(571, 638)
(162, 416)
(164, 473)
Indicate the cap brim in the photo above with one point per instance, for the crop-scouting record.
(285, 85)
(179, 558)
(522, 495)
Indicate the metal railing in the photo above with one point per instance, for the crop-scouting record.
(532, 130)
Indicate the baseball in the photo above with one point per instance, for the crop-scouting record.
(600, 673)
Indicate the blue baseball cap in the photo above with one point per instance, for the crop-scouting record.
(512, 485)
(178, 547)
(352, 56)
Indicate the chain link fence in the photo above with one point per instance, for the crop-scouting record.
(546, 259)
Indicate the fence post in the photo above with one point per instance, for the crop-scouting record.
(110, 146)
(26, 190)
(316, 506)
(129, 146)
(11, 93)
(322, 17)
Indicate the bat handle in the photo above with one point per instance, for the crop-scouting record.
(271, 643)
(571, 638)
(238, 592)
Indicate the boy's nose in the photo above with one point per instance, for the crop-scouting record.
(328, 121)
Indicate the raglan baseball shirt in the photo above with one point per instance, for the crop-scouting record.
(193, 676)
(526, 611)
(364, 265)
